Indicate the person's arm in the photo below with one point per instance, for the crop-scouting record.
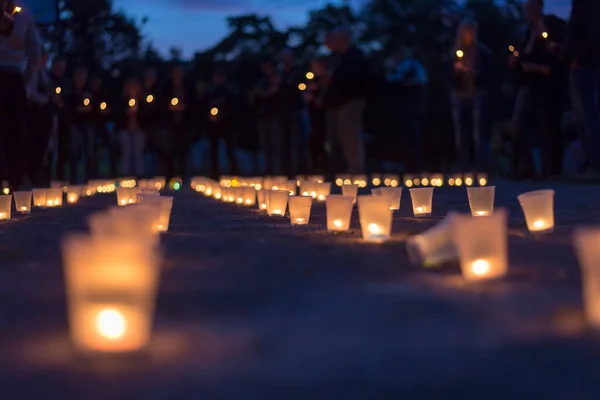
(33, 47)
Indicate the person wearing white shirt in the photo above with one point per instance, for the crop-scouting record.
(19, 59)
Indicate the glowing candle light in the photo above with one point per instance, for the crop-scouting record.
(310, 75)
(375, 218)
(214, 111)
(302, 86)
(111, 288)
(123, 196)
(393, 195)
(339, 212)
(460, 54)
(86, 102)
(5, 206)
(350, 190)
(481, 200)
(103, 106)
(322, 190)
(131, 102)
(299, 208)
(248, 195)
(482, 245)
(39, 197)
(22, 202)
(376, 181)
(174, 101)
(587, 248)
(422, 199)
(54, 197)
(538, 208)
(277, 202)
(149, 98)
(58, 90)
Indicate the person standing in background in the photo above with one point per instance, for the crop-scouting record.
(221, 101)
(318, 119)
(131, 136)
(347, 93)
(63, 118)
(82, 134)
(293, 113)
(266, 96)
(582, 54)
(40, 124)
(470, 79)
(20, 46)
(101, 112)
(179, 104)
(152, 113)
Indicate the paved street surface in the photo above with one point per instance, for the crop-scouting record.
(251, 308)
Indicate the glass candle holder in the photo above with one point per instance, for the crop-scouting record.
(300, 207)
(54, 197)
(73, 193)
(481, 200)
(261, 198)
(538, 208)
(377, 192)
(249, 195)
(422, 199)
(339, 212)
(139, 221)
(162, 206)
(350, 190)
(111, 291)
(375, 218)
(5, 206)
(237, 195)
(434, 246)
(277, 202)
(322, 190)
(39, 197)
(482, 245)
(22, 202)
(587, 248)
(308, 188)
(394, 195)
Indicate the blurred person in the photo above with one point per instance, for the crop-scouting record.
(40, 124)
(470, 103)
(582, 54)
(62, 140)
(101, 114)
(539, 105)
(317, 114)
(131, 136)
(347, 93)
(266, 96)
(293, 126)
(408, 79)
(82, 132)
(20, 49)
(179, 102)
(221, 102)
(152, 113)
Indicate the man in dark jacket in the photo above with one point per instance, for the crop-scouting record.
(347, 93)
(292, 82)
(63, 90)
(582, 53)
(152, 113)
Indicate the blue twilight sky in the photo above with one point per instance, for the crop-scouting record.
(198, 24)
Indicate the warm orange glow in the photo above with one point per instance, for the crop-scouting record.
(103, 105)
(17, 10)
(149, 98)
(174, 101)
(131, 102)
(310, 75)
(86, 102)
(214, 111)
(545, 35)
(337, 223)
(58, 90)
(460, 53)
(302, 86)
(516, 53)
(374, 228)
(6, 190)
(376, 181)
(480, 267)
(511, 48)
(111, 324)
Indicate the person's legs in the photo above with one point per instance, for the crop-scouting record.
(522, 141)
(40, 130)
(552, 140)
(13, 135)
(295, 148)
(91, 152)
(125, 138)
(228, 136)
(138, 141)
(64, 137)
(350, 135)
(266, 144)
(275, 137)
(584, 98)
(462, 112)
(480, 113)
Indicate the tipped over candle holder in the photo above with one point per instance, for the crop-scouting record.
(375, 218)
(538, 208)
(111, 292)
(299, 209)
(482, 246)
(481, 200)
(422, 200)
(339, 212)
(5, 206)
(434, 247)
(394, 195)
(22, 202)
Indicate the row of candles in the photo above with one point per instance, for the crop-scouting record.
(479, 241)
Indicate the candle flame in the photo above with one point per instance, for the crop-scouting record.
(174, 101)
(482, 213)
(460, 53)
(2, 215)
(277, 212)
(539, 224)
(482, 181)
(480, 267)
(103, 105)
(468, 181)
(425, 181)
(321, 197)
(408, 183)
(131, 102)
(458, 182)
(214, 111)
(17, 10)
(299, 219)
(374, 229)
(23, 208)
(545, 35)
(248, 201)
(302, 86)
(6, 190)
(376, 181)
(263, 206)
(58, 90)
(310, 75)
(86, 102)
(337, 223)
(419, 209)
(111, 324)
(149, 98)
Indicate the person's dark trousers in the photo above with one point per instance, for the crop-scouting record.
(177, 158)
(584, 84)
(470, 126)
(218, 130)
(14, 145)
(66, 151)
(40, 130)
(316, 142)
(106, 140)
(84, 141)
(271, 143)
(293, 144)
(411, 114)
(552, 146)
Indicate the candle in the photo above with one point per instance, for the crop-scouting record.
(393, 195)
(481, 244)
(300, 207)
(481, 200)
(277, 202)
(377, 192)
(111, 288)
(360, 180)
(322, 190)
(22, 202)
(376, 180)
(375, 218)
(422, 199)
(350, 190)
(123, 196)
(408, 180)
(261, 196)
(468, 179)
(587, 248)
(433, 247)
(39, 197)
(391, 180)
(538, 208)
(248, 195)
(482, 179)
(54, 197)
(339, 212)
(341, 180)
(5, 206)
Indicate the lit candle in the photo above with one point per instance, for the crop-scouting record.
(54, 197)
(277, 202)
(587, 248)
(123, 196)
(393, 195)
(482, 245)
(249, 195)
(5, 206)
(339, 212)
(300, 207)
(538, 208)
(350, 190)
(422, 199)
(39, 197)
(391, 180)
(376, 180)
(375, 218)
(111, 288)
(481, 200)
(22, 202)
(322, 190)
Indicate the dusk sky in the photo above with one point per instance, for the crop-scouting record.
(198, 24)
